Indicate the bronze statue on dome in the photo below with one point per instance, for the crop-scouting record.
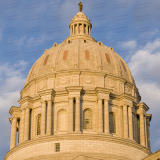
(80, 7)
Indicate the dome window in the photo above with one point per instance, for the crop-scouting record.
(65, 55)
(112, 123)
(107, 58)
(87, 119)
(111, 48)
(39, 124)
(123, 65)
(69, 41)
(86, 54)
(100, 43)
(55, 45)
(46, 59)
(84, 41)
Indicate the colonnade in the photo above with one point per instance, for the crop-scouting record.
(103, 121)
(80, 28)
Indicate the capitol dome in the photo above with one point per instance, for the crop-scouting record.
(80, 52)
(80, 102)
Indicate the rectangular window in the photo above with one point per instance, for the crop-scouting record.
(57, 147)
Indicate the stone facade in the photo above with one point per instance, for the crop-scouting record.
(80, 102)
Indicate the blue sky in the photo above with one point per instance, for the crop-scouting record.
(27, 28)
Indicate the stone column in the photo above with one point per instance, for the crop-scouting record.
(100, 125)
(26, 133)
(43, 118)
(148, 133)
(70, 30)
(125, 121)
(121, 122)
(82, 28)
(142, 132)
(13, 133)
(49, 108)
(73, 29)
(21, 138)
(106, 116)
(77, 123)
(130, 123)
(77, 28)
(86, 29)
(145, 132)
(70, 118)
(89, 30)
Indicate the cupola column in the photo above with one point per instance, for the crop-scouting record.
(142, 131)
(82, 28)
(87, 29)
(70, 30)
(21, 138)
(73, 29)
(77, 28)
(77, 124)
(125, 121)
(13, 132)
(70, 115)
(49, 108)
(100, 129)
(26, 133)
(130, 123)
(106, 116)
(43, 118)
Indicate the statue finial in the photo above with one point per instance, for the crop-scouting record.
(80, 7)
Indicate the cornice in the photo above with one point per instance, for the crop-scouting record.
(123, 96)
(60, 91)
(76, 72)
(74, 89)
(14, 109)
(25, 99)
(99, 90)
(46, 92)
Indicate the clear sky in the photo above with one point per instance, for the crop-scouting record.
(27, 28)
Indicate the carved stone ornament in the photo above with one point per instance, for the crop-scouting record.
(128, 90)
(63, 81)
(111, 84)
(42, 86)
(53, 69)
(88, 80)
(113, 109)
(99, 67)
(75, 66)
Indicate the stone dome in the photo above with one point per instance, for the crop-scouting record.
(80, 52)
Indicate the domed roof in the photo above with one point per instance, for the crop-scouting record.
(80, 52)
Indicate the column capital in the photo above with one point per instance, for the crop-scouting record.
(78, 97)
(143, 106)
(70, 98)
(149, 117)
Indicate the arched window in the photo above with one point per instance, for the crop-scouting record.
(39, 124)
(87, 119)
(112, 123)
